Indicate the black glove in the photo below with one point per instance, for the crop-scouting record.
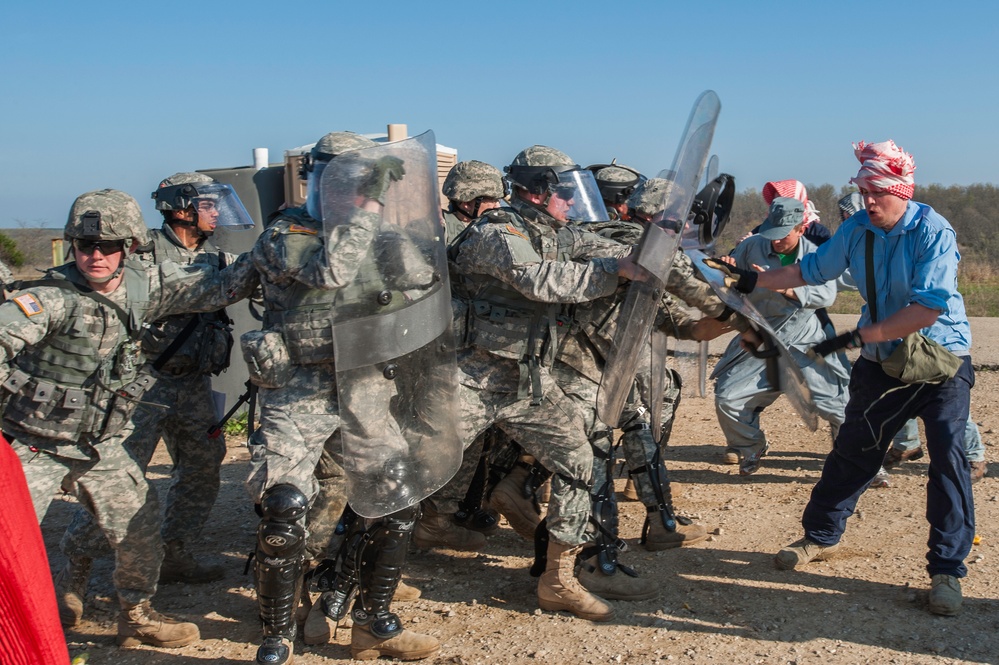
(848, 340)
(735, 278)
(384, 171)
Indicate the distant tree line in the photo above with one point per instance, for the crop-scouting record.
(9, 253)
(973, 210)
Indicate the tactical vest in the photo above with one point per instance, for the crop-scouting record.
(303, 315)
(205, 339)
(63, 389)
(499, 319)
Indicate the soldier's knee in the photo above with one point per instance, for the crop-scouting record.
(281, 532)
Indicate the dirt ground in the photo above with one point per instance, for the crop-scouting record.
(722, 601)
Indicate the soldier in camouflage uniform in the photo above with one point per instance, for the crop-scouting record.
(471, 188)
(578, 370)
(514, 269)
(296, 474)
(179, 407)
(71, 359)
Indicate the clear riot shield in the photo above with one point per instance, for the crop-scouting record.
(688, 356)
(393, 343)
(786, 375)
(655, 254)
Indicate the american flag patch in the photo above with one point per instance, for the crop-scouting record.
(28, 304)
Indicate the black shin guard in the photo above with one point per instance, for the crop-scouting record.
(604, 516)
(381, 559)
(659, 480)
(336, 578)
(280, 559)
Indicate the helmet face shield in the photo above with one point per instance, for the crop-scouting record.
(220, 203)
(313, 201)
(578, 189)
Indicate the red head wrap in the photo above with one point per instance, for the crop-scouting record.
(884, 167)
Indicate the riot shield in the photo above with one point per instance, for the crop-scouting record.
(394, 347)
(655, 255)
(688, 355)
(786, 376)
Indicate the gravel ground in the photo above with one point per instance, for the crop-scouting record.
(721, 601)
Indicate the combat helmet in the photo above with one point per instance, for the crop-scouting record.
(850, 204)
(206, 197)
(649, 197)
(106, 214)
(331, 145)
(536, 169)
(467, 181)
(616, 182)
(178, 191)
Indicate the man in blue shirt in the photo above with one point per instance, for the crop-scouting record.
(914, 288)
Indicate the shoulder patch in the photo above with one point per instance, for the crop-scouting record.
(298, 228)
(28, 304)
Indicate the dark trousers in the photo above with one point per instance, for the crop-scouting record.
(879, 406)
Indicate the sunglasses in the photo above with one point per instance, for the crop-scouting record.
(565, 193)
(106, 247)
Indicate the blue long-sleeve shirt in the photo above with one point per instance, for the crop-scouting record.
(914, 263)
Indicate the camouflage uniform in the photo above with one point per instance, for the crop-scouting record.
(296, 462)
(6, 276)
(467, 183)
(518, 256)
(179, 407)
(299, 411)
(68, 425)
(579, 369)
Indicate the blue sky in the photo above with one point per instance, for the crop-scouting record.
(121, 94)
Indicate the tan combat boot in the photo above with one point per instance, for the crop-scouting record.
(508, 500)
(439, 530)
(141, 624)
(659, 538)
(558, 588)
(619, 586)
(406, 592)
(407, 645)
(180, 566)
(71, 589)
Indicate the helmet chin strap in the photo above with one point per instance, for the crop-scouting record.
(105, 280)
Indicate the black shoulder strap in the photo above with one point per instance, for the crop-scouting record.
(872, 294)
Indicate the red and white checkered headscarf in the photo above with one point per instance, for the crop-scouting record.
(884, 167)
(791, 189)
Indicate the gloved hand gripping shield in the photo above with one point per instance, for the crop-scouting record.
(393, 343)
(655, 255)
(783, 372)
